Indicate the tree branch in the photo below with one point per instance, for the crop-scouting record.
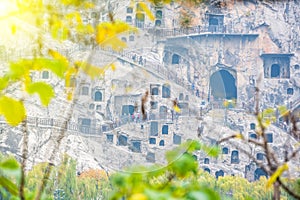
(260, 164)
(24, 158)
(254, 142)
(287, 189)
(294, 154)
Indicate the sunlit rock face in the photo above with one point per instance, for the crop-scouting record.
(230, 48)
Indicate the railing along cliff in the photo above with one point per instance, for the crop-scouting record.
(56, 123)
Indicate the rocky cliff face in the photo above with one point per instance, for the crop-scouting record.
(248, 30)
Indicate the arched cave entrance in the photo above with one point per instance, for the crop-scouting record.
(223, 85)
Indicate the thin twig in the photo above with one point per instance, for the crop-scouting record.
(269, 153)
(236, 136)
(260, 124)
(53, 153)
(226, 139)
(24, 158)
(287, 189)
(260, 164)
(254, 142)
(294, 154)
(265, 144)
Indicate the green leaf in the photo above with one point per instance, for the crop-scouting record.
(10, 164)
(13, 110)
(193, 145)
(184, 165)
(8, 185)
(10, 167)
(44, 90)
(119, 180)
(154, 194)
(156, 170)
(30, 195)
(212, 151)
(203, 194)
(174, 154)
(4, 192)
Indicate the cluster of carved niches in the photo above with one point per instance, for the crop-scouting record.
(165, 90)
(96, 94)
(234, 157)
(276, 65)
(139, 17)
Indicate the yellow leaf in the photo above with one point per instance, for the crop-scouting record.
(89, 69)
(71, 2)
(267, 122)
(69, 16)
(70, 95)
(269, 112)
(13, 110)
(89, 29)
(85, 29)
(104, 31)
(71, 72)
(58, 65)
(122, 27)
(276, 174)
(113, 67)
(283, 110)
(3, 82)
(113, 87)
(57, 55)
(64, 33)
(13, 29)
(17, 70)
(88, 5)
(176, 109)
(226, 103)
(128, 89)
(115, 43)
(138, 196)
(239, 136)
(107, 33)
(78, 17)
(27, 79)
(147, 10)
(44, 90)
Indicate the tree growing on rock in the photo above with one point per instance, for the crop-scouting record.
(275, 166)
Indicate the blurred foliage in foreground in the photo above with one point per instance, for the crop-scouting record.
(179, 179)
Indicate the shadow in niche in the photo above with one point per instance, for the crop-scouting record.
(258, 173)
(275, 71)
